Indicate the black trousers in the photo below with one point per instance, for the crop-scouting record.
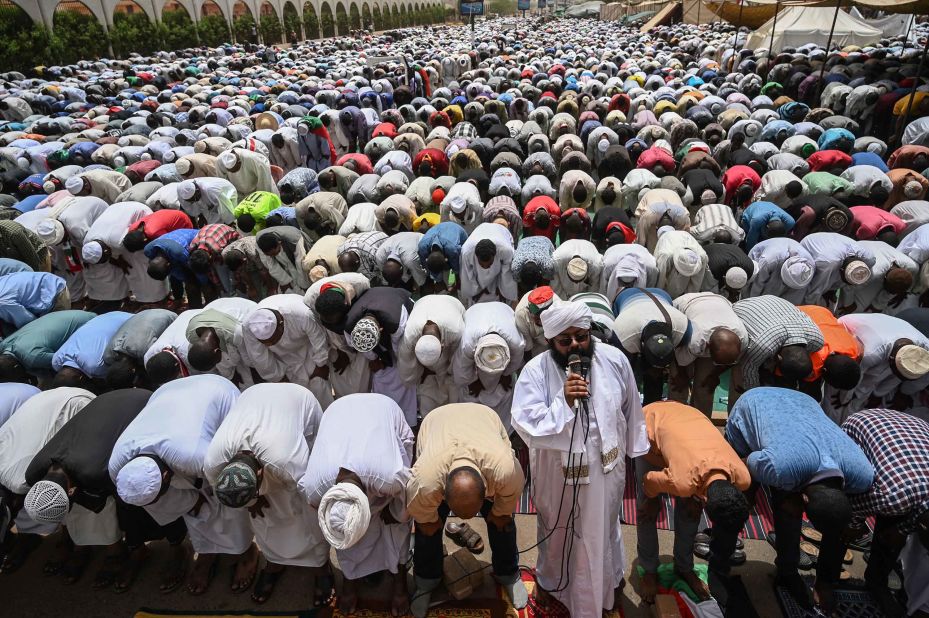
(427, 559)
(139, 527)
(885, 550)
(788, 507)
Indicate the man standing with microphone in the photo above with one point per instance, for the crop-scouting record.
(579, 434)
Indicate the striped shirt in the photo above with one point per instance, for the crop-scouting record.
(713, 218)
(772, 323)
(365, 245)
(897, 445)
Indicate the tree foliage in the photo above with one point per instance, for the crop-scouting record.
(245, 28)
(133, 32)
(270, 29)
(77, 36)
(213, 30)
(177, 30)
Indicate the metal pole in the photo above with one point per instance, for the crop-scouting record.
(738, 28)
(909, 26)
(777, 9)
(909, 104)
(822, 69)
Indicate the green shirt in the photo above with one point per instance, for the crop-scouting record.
(35, 344)
(258, 205)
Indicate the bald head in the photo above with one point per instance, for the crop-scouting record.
(465, 492)
(725, 347)
(349, 262)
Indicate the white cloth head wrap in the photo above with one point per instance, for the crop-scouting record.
(428, 350)
(687, 262)
(92, 252)
(564, 315)
(139, 481)
(857, 272)
(492, 353)
(227, 159)
(186, 190)
(344, 515)
(912, 190)
(51, 231)
(262, 323)
(796, 272)
(912, 362)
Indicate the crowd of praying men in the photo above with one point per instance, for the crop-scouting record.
(277, 302)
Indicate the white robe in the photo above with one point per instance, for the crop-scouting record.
(544, 421)
(496, 283)
(769, 256)
(627, 266)
(175, 338)
(563, 285)
(366, 434)
(830, 250)
(235, 357)
(177, 424)
(278, 423)
(670, 279)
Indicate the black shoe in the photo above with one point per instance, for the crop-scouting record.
(797, 588)
(885, 601)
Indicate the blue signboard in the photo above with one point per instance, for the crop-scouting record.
(541, 4)
(522, 5)
(471, 8)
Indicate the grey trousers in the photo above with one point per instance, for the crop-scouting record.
(686, 521)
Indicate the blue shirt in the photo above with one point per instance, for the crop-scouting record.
(84, 349)
(791, 443)
(630, 293)
(13, 395)
(24, 296)
(448, 237)
(869, 158)
(173, 246)
(756, 217)
(9, 265)
(287, 213)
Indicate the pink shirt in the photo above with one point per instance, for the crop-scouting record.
(870, 220)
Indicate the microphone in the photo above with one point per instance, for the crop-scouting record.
(574, 364)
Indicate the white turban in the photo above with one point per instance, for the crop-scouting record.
(796, 272)
(51, 231)
(687, 262)
(492, 353)
(344, 515)
(262, 323)
(564, 315)
(92, 252)
(318, 272)
(139, 481)
(186, 190)
(228, 159)
(912, 362)
(74, 184)
(428, 350)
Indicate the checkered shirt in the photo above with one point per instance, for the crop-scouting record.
(365, 245)
(897, 445)
(464, 130)
(214, 238)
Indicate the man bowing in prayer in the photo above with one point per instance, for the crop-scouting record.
(579, 434)
(356, 479)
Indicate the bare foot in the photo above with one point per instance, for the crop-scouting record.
(131, 568)
(696, 584)
(245, 569)
(400, 601)
(202, 573)
(175, 569)
(824, 597)
(649, 587)
(348, 600)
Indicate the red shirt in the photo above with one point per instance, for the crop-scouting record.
(161, 222)
(554, 217)
(214, 238)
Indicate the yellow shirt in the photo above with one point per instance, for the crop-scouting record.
(456, 435)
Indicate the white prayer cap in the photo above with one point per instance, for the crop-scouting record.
(707, 197)
(74, 185)
(428, 350)
(736, 278)
(796, 272)
(663, 229)
(139, 482)
(51, 231)
(262, 323)
(912, 190)
(577, 269)
(457, 204)
(228, 159)
(912, 361)
(92, 252)
(183, 166)
(492, 353)
(564, 315)
(687, 262)
(857, 272)
(47, 503)
(318, 272)
(48, 186)
(366, 334)
(344, 515)
(186, 190)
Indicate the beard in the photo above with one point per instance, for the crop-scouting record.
(562, 359)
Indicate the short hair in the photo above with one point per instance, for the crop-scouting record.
(69, 376)
(795, 362)
(275, 220)
(726, 506)
(775, 228)
(436, 261)
(898, 280)
(11, 370)
(889, 236)
(233, 259)
(841, 372)
(469, 472)
(391, 219)
(246, 222)
(793, 189)
(485, 250)
(530, 275)
(202, 356)
(134, 241)
(827, 507)
(162, 367)
(392, 271)
(722, 236)
(199, 261)
(159, 268)
(540, 214)
(121, 373)
(330, 302)
(267, 242)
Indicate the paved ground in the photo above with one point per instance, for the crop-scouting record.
(36, 596)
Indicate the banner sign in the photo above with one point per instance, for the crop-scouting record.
(541, 4)
(467, 8)
(522, 5)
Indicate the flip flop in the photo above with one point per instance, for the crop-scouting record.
(112, 567)
(326, 581)
(264, 585)
(464, 535)
(811, 534)
(73, 568)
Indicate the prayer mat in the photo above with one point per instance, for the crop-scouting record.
(557, 610)
(468, 608)
(167, 613)
(849, 604)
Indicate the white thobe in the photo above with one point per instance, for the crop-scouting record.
(480, 320)
(235, 355)
(872, 297)
(829, 251)
(707, 313)
(479, 284)
(438, 388)
(278, 424)
(627, 266)
(769, 255)
(615, 429)
(915, 246)
(254, 173)
(533, 336)
(653, 206)
(174, 338)
(462, 204)
(74, 280)
(177, 424)
(218, 198)
(301, 349)
(361, 217)
(366, 434)
(562, 284)
(675, 283)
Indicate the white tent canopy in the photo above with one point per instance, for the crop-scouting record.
(800, 25)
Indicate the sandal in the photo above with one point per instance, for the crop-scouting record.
(176, 567)
(811, 534)
(806, 561)
(210, 574)
(131, 569)
(324, 582)
(73, 568)
(112, 567)
(464, 535)
(264, 585)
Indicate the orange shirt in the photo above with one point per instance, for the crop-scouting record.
(693, 451)
(836, 337)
